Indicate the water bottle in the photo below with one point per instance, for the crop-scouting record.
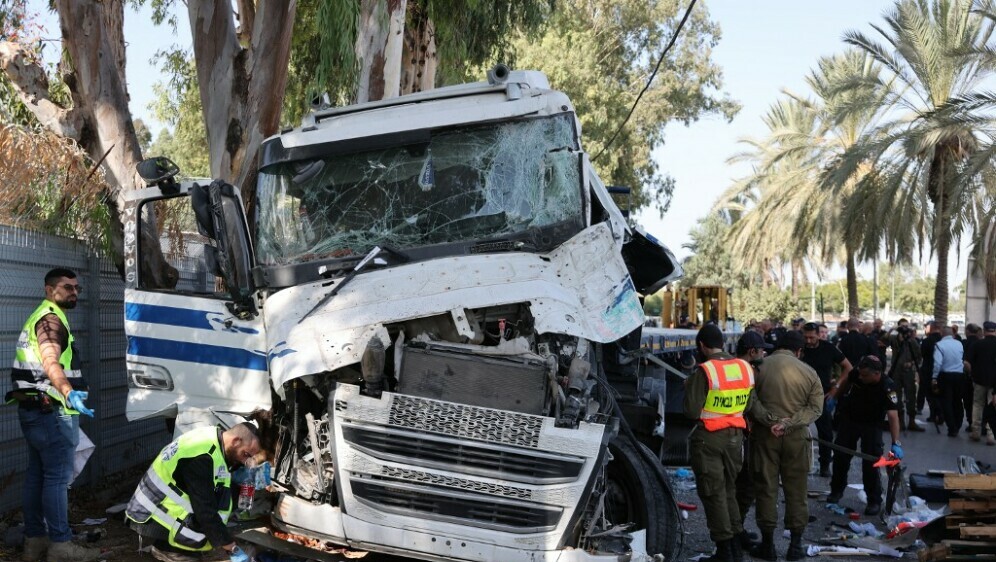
(246, 492)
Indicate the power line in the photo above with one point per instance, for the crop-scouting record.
(674, 38)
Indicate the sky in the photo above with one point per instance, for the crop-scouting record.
(766, 46)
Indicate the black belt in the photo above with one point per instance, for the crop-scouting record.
(35, 402)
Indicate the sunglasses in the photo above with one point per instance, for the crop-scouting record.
(72, 288)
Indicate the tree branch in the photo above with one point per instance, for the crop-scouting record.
(31, 84)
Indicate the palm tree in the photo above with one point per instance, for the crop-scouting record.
(929, 60)
(807, 138)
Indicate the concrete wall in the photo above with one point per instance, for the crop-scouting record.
(98, 325)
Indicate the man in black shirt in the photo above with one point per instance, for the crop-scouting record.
(924, 393)
(905, 362)
(868, 397)
(822, 356)
(855, 345)
(981, 356)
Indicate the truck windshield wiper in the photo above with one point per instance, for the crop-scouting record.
(345, 280)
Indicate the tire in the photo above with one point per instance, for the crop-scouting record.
(638, 492)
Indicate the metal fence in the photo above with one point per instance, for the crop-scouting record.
(98, 326)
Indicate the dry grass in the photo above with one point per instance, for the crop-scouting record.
(46, 185)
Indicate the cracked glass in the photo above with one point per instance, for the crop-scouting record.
(463, 185)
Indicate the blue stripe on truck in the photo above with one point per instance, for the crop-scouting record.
(173, 316)
(197, 353)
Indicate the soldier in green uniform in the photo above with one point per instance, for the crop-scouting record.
(788, 397)
(716, 395)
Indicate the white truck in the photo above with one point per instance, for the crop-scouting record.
(433, 298)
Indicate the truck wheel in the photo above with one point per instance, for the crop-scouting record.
(637, 492)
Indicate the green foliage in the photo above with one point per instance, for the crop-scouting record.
(653, 305)
(178, 104)
(758, 302)
(710, 262)
(601, 53)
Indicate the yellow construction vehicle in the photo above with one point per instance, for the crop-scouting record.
(691, 307)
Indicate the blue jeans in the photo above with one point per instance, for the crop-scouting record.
(52, 440)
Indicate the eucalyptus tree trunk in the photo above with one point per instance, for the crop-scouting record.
(418, 60)
(379, 39)
(241, 87)
(98, 120)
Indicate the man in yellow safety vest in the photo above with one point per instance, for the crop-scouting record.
(717, 394)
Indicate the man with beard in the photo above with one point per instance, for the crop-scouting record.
(184, 500)
(50, 394)
(822, 356)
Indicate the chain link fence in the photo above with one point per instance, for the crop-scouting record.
(98, 326)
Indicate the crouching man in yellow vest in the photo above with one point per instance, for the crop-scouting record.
(716, 395)
(185, 498)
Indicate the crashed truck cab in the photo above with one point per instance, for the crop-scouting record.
(424, 305)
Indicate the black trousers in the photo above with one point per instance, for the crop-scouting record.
(952, 387)
(848, 435)
(824, 430)
(926, 394)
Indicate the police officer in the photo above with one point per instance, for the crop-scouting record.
(50, 392)
(788, 398)
(184, 500)
(716, 395)
(867, 396)
(752, 348)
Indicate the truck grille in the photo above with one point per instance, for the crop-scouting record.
(484, 511)
(411, 448)
(469, 422)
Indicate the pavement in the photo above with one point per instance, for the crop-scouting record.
(923, 451)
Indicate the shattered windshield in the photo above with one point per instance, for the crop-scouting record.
(463, 185)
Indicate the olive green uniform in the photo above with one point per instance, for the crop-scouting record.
(716, 458)
(788, 391)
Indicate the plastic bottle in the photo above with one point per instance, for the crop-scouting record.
(246, 492)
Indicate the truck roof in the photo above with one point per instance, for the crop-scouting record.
(520, 94)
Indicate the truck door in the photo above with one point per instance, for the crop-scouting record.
(196, 343)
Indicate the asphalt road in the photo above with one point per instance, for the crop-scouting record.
(923, 451)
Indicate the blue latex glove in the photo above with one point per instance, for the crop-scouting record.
(76, 398)
(238, 555)
(898, 451)
(831, 404)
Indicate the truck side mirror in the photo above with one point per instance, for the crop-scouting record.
(219, 216)
(161, 172)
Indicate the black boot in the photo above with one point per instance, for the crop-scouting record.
(723, 552)
(795, 550)
(766, 550)
(748, 541)
(737, 548)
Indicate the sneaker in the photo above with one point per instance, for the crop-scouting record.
(71, 552)
(974, 436)
(167, 556)
(34, 548)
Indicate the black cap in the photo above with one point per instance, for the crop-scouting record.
(989, 326)
(871, 362)
(792, 341)
(711, 336)
(752, 340)
(799, 320)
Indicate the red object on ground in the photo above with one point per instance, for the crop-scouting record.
(854, 515)
(687, 506)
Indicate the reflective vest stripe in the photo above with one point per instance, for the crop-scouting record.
(157, 499)
(27, 372)
(730, 384)
(176, 528)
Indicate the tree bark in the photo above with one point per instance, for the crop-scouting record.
(241, 88)
(853, 308)
(418, 59)
(379, 39)
(30, 82)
